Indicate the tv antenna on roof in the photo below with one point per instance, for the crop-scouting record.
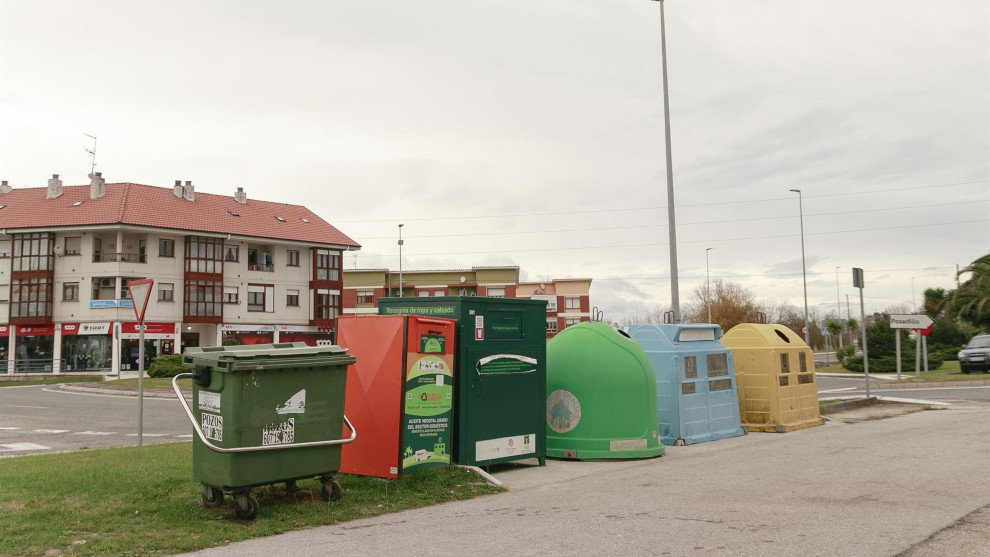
(92, 154)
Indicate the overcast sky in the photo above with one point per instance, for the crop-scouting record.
(531, 133)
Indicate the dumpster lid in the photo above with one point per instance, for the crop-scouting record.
(285, 351)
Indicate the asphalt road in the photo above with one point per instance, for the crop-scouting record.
(912, 485)
(958, 392)
(42, 418)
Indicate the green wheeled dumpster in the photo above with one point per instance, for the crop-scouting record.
(500, 374)
(264, 414)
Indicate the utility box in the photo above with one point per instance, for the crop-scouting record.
(775, 370)
(696, 385)
(499, 374)
(602, 401)
(400, 391)
(264, 414)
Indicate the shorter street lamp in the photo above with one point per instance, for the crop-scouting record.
(708, 287)
(804, 272)
(400, 260)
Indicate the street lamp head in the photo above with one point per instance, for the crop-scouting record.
(401, 225)
(708, 249)
(795, 190)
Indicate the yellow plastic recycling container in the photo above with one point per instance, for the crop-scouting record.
(775, 376)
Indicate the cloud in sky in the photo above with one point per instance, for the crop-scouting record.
(531, 133)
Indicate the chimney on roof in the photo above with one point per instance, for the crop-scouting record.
(187, 191)
(4, 188)
(54, 187)
(97, 185)
(240, 196)
(177, 189)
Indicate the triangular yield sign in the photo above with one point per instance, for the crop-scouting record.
(140, 294)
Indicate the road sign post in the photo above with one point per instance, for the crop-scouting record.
(140, 294)
(921, 324)
(858, 283)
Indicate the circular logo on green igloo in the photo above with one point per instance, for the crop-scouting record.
(563, 411)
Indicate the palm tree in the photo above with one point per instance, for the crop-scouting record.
(971, 301)
(835, 329)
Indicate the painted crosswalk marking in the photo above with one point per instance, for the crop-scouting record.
(22, 447)
(51, 431)
(9, 428)
(96, 433)
(186, 435)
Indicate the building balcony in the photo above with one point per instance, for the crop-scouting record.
(262, 268)
(118, 257)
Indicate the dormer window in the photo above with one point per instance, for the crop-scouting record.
(280, 219)
(234, 213)
(305, 220)
(77, 203)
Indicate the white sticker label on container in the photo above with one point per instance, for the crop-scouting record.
(295, 405)
(627, 445)
(212, 426)
(504, 447)
(209, 402)
(279, 434)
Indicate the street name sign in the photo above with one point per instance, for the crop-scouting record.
(910, 321)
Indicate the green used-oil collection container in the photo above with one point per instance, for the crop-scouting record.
(500, 374)
(265, 414)
(602, 400)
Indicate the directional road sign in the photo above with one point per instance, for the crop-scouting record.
(910, 321)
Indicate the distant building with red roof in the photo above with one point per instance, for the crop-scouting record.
(225, 267)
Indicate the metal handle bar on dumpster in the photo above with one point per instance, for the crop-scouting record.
(199, 432)
(523, 359)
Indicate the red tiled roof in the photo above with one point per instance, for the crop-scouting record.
(157, 207)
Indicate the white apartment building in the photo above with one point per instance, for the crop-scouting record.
(225, 267)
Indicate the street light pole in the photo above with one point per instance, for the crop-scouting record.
(675, 303)
(838, 306)
(400, 260)
(708, 286)
(804, 271)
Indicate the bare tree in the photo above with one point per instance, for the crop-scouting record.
(731, 303)
(646, 314)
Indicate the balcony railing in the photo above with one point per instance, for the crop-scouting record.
(34, 365)
(263, 268)
(119, 257)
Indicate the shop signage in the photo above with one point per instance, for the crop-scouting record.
(103, 304)
(36, 331)
(152, 331)
(248, 328)
(296, 328)
(85, 329)
(4, 330)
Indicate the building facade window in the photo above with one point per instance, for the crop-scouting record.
(166, 292)
(73, 245)
(365, 296)
(166, 247)
(203, 255)
(231, 253)
(551, 326)
(439, 292)
(34, 252)
(292, 298)
(31, 297)
(230, 295)
(571, 321)
(203, 298)
(293, 258)
(261, 297)
(496, 292)
(70, 292)
(327, 265)
(326, 306)
(423, 293)
(572, 303)
(4, 298)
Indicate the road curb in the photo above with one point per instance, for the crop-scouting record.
(156, 393)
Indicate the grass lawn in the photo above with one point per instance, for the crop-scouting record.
(159, 383)
(54, 380)
(141, 501)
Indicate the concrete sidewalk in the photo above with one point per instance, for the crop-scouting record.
(872, 488)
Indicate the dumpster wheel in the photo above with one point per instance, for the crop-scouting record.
(245, 505)
(331, 491)
(211, 496)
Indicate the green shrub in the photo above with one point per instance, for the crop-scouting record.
(846, 352)
(231, 341)
(168, 365)
(888, 364)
